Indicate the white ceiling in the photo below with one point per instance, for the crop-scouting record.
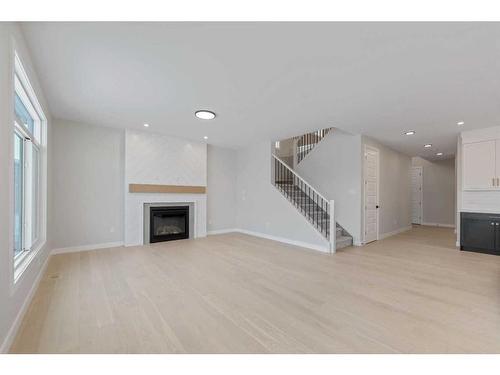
(274, 80)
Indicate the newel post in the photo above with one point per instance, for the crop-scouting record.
(333, 228)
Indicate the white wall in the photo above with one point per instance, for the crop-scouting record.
(438, 190)
(87, 184)
(395, 189)
(333, 168)
(14, 298)
(261, 208)
(222, 168)
(89, 178)
(158, 159)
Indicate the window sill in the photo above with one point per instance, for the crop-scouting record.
(24, 263)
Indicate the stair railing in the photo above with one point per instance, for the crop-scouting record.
(311, 203)
(306, 142)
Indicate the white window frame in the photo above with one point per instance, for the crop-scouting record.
(36, 140)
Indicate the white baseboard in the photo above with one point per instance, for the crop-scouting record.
(323, 249)
(439, 225)
(221, 231)
(394, 232)
(75, 249)
(307, 245)
(11, 334)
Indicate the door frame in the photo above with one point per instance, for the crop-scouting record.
(421, 194)
(377, 151)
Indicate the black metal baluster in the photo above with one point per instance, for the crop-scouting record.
(288, 182)
(283, 182)
(322, 211)
(281, 178)
(284, 179)
(302, 196)
(279, 175)
(327, 210)
(322, 214)
(315, 212)
(307, 200)
(316, 208)
(275, 170)
(309, 206)
(315, 221)
(293, 191)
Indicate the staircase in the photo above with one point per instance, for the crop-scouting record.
(306, 142)
(311, 204)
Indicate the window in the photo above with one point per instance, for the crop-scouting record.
(29, 122)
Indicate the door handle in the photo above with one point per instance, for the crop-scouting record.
(377, 206)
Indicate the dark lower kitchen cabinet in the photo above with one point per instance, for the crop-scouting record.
(480, 232)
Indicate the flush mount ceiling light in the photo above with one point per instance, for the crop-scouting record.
(205, 137)
(439, 154)
(410, 132)
(146, 125)
(460, 123)
(204, 114)
(427, 145)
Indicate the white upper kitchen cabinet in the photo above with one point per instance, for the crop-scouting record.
(480, 165)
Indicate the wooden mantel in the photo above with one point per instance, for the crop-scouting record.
(172, 189)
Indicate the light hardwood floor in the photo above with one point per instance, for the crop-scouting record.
(410, 293)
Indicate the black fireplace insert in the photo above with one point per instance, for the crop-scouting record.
(168, 223)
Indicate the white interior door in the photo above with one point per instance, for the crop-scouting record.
(371, 201)
(416, 195)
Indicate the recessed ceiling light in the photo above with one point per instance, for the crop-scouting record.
(460, 123)
(146, 125)
(205, 115)
(410, 132)
(439, 154)
(205, 137)
(427, 145)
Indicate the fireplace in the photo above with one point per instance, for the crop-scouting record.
(168, 223)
